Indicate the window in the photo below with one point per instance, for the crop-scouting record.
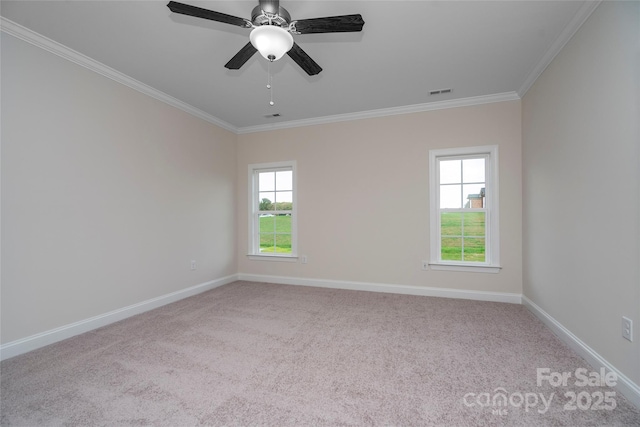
(272, 211)
(464, 209)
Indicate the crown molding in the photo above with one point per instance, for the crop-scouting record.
(9, 27)
(574, 25)
(383, 112)
(29, 36)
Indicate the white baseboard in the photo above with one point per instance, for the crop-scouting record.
(625, 385)
(387, 288)
(42, 339)
(33, 342)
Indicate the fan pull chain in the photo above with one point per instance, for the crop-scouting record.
(270, 84)
(271, 97)
(269, 75)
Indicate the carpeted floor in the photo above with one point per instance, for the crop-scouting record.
(277, 355)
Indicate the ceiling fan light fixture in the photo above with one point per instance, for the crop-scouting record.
(271, 41)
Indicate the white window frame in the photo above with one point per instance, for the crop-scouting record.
(492, 203)
(254, 219)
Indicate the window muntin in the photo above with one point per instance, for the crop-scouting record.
(273, 222)
(464, 207)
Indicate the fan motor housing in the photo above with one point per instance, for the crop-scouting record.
(260, 17)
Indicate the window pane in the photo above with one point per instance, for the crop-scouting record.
(282, 223)
(473, 195)
(450, 224)
(267, 224)
(451, 249)
(473, 170)
(450, 196)
(283, 243)
(474, 250)
(266, 181)
(267, 242)
(284, 180)
(265, 201)
(474, 224)
(450, 171)
(284, 200)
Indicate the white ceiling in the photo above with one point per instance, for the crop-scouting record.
(406, 49)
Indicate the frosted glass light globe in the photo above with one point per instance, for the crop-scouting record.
(271, 41)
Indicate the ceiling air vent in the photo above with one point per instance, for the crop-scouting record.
(271, 116)
(439, 91)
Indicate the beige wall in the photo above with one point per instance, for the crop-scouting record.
(363, 195)
(581, 145)
(107, 195)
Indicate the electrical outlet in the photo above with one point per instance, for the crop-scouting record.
(193, 264)
(627, 328)
(425, 265)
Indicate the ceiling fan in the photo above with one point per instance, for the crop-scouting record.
(272, 30)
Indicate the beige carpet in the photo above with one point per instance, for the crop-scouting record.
(277, 355)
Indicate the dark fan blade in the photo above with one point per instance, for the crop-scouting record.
(330, 24)
(270, 6)
(303, 60)
(199, 12)
(241, 57)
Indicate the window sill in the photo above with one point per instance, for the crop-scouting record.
(277, 258)
(466, 268)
